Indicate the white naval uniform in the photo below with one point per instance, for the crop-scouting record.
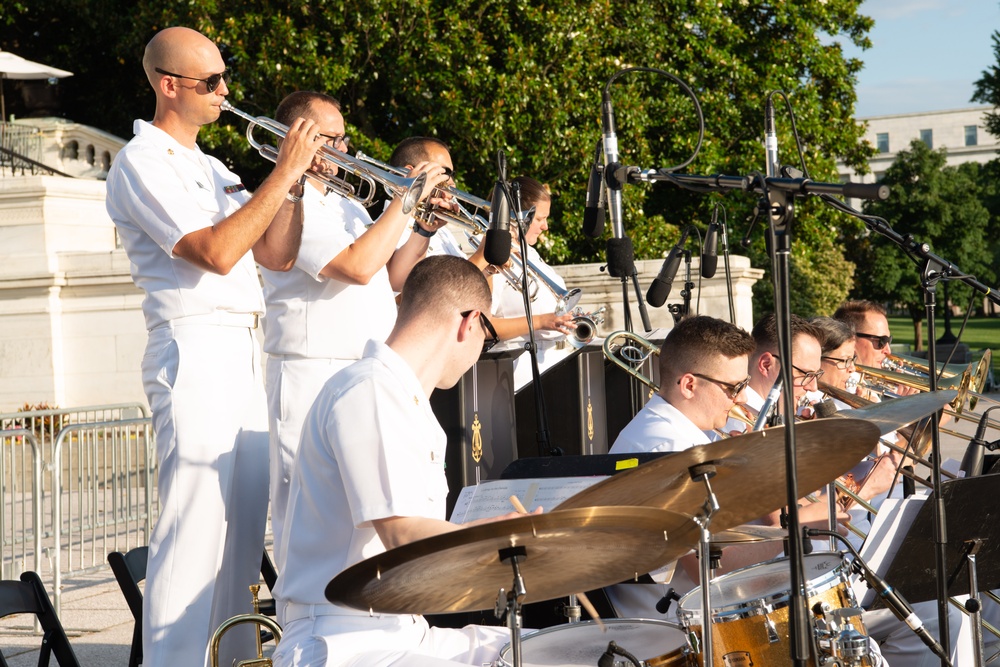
(314, 327)
(657, 427)
(201, 374)
(371, 449)
(507, 302)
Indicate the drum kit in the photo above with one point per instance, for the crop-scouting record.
(636, 522)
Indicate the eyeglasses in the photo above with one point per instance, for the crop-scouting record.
(807, 376)
(449, 172)
(732, 390)
(842, 364)
(878, 342)
(491, 334)
(211, 82)
(336, 140)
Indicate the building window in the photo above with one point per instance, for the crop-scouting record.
(882, 141)
(927, 136)
(971, 135)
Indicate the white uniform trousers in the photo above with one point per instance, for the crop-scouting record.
(207, 398)
(901, 647)
(397, 641)
(292, 386)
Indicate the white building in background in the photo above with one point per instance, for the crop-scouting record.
(962, 132)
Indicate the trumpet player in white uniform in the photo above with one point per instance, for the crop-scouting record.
(337, 297)
(551, 327)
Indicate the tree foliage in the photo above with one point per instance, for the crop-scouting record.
(519, 75)
(987, 89)
(937, 205)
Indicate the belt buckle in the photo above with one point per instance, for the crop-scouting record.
(256, 320)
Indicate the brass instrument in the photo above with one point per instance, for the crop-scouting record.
(629, 351)
(566, 299)
(409, 189)
(257, 619)
(585, 326)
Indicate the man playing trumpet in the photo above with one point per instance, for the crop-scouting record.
(337, 296)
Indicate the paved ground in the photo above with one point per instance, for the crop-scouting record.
(99, 624)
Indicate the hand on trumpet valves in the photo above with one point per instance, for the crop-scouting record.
(553, 322)
(297, 150)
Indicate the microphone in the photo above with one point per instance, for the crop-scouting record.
(770, 140)
(663, 604)
(710, 252)
(902, 610)
(769, 404)
(611, 157)
(972, 462)
(497, 241)
(825, 408)
(659, 290)
(607, 659)
(593, 214)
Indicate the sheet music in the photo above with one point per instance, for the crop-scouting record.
(894, 519)
(492, 497)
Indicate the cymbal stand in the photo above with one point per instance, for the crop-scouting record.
(703, 473)
(509, 601)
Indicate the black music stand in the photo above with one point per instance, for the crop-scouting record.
(973, 513)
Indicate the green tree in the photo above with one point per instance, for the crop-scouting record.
(937, 205)
(519, 75)
(987, 89)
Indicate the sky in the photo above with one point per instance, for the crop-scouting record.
(925, 54)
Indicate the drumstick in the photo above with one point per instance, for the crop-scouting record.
(518, 507)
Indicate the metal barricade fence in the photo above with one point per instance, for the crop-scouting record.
(21, 526)
(104, 494)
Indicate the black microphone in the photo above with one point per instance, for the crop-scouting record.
(593, 214)
(497, 241)
(710, 251)
(608, 658)
(663, 604)
(659, 290)
(825, 408)
(972, 462)
(898, 605)
(770, 140)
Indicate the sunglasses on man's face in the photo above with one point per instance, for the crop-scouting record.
(878, 342)
(211, 82)
(491, 338)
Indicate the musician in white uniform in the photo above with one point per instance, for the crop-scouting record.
(369, 476)
(188, 226)
(337, 297)
(511, 323)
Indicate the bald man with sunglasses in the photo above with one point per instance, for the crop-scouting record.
(192, 234)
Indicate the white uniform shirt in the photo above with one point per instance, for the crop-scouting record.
(311, 316)
(371, 449)
(442, 243)
(158, 192)
(658, 427)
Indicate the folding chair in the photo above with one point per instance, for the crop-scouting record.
(28, 596)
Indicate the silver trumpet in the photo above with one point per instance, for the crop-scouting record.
(472, 212)
(566, 299)
(398, 185)
(585, 326)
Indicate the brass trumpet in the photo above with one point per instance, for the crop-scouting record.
(409, 189)
(257, 619)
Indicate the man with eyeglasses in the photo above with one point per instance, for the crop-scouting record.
(192, 234)
(369, 476)
(337, 296)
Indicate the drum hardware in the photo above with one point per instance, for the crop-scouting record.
(257, 619)
(408, 188)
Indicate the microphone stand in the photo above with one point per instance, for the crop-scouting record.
(680, 311)
(724, 239)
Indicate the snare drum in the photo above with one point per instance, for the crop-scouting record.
(582, 644)
(750, 608)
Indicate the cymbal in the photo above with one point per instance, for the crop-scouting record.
(749, 533)
(892, 414)
(567, 552)
(750, 472)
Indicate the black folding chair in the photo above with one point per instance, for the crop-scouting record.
(28, 596)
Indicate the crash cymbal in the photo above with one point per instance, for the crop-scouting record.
(749, 533)
(749, 479)
(565, 552)
(891, 415)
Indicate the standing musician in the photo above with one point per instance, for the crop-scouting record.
(508, 305)
(338, 296)
(189, 226)
(369, 476)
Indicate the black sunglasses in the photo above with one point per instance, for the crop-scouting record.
(732, 390)
(211, 82)
(807, 376)
(491, 334)
(842, 363)
(337, 139)
(878, 342)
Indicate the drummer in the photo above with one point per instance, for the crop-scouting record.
(369, 476)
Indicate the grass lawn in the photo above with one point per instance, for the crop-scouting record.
(980, 332)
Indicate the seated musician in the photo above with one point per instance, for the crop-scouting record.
(550, 326)
(337, 296)
(369, 476)
(873, 338)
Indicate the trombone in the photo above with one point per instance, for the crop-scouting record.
(409, 189)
